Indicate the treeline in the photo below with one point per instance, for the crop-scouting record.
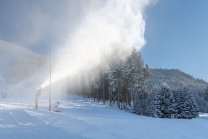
(167, 102)
(127, 83)
(173, 78)
(115, 81)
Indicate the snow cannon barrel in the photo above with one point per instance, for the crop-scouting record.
(37, 94)
(4, 94)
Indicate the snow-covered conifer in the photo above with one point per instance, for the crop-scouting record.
(206, 94)
(158, 103)
(150, 107)
(165, 103)
(186, 105)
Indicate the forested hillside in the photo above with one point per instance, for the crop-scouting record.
(18, 63)
(173, 78)
(129, 83)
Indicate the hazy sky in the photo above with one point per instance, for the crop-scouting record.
(176, 31)
(30, 23)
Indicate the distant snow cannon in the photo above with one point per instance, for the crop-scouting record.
(37, 94)
(4, 94)
(56, 107)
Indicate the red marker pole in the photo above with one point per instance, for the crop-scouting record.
(36, 103)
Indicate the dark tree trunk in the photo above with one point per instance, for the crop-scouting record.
(104, 86)
(94, 92)
(121, 96)
(118, 101)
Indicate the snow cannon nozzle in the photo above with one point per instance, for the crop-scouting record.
(38, 91)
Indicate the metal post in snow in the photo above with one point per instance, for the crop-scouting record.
(50, 77)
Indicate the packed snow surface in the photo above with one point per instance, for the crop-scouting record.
(82, 118)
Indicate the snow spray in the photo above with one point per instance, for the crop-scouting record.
(113, 23)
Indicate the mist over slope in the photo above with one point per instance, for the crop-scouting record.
(18, 63)
(174, 78)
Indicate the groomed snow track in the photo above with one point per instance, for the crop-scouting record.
(84, 118)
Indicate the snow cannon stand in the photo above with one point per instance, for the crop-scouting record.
(4, 94)
(37, 95)
(56, 107)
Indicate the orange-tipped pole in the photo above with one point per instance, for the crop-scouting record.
(36, 103)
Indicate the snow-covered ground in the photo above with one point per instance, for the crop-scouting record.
(84, 118)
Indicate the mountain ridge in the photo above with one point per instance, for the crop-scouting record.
(173, 78)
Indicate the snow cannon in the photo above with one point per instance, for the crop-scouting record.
(37, 94)
(56, 107)
(38, 91)
(4, 94)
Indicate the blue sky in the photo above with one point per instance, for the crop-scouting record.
(177, 36)
(176, 31)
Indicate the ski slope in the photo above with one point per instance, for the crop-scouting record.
(84, 119)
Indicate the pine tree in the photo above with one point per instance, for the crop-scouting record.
(131, 69)
(115, 75)
(165, 103)
(146, 72)
(158, 104)
(150, 107)
(206, 94)
(194, 104)
(186, 105)
(97, 83)
(136, 104)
